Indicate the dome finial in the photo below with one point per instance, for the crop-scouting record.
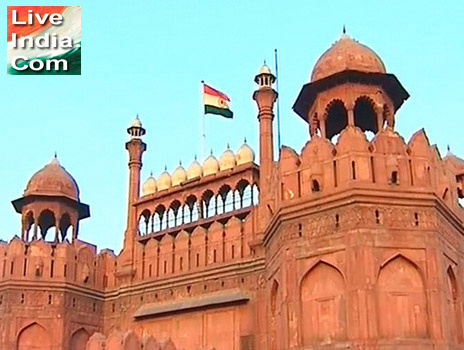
(165, 167)
(151, 173)
(228, 145)
(211, 152)
(244, 140)
(344, 30)
(195, 158)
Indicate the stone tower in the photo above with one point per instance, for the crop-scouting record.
(365, 247)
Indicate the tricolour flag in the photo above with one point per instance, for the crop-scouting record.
(216, 102)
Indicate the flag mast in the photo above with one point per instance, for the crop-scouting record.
(203, 126)
(278, 100)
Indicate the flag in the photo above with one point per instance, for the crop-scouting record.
(216, 102)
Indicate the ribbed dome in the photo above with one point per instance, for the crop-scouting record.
(245, 154)
(53, 180)
(227, 160)
(194, 170)
(210, 165)
(347, 54)
(178, 176)
(164, 181)
(149, 186)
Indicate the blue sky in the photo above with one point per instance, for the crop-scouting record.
(148, 57)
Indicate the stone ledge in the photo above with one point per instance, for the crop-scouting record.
(189, 304)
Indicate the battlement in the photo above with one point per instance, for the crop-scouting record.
(386, 162)
(41, 261)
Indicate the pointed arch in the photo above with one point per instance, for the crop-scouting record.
(322, 305)
(47, 220)
(365, 117)
(33, 337)
(402, 304)
(274, 306)
(336, 118)
(454, 311)
(79, 339)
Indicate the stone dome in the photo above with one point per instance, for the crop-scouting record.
(178, 176)
(347, 54)
(149, 186)
(164, 181)
(210, 165)
(245, 154)
(227, 160)
(53, 180)
(195, 170)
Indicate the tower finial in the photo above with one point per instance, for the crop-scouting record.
(448, 148)
(344, 29)
(56, 155)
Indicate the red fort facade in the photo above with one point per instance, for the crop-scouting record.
(355, 242)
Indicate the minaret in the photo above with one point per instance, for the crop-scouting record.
(265, 97)
(135, 146)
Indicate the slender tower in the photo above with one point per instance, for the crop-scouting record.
(135, 146)
(265, 97)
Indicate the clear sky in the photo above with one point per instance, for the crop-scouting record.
(148, 57)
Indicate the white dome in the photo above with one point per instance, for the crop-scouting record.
(178, 176)
(164, 181)
(195, 170)
(149, 186)
(245, 154)
(210, 165)
(227, 160)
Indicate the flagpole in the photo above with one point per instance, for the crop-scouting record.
(203, 126)
(278, 99)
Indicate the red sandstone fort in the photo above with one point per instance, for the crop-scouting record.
(355, 242)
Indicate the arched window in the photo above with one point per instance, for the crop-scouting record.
(171, 218)
(237, 200)
(160, 220)
(177, 219)
(255, 194)
(187, 214)
(336, 118)
(247, 196)
(315, 186)
(143, 223)
(156, 222)
(208, 206)
(219, 204)
(365, 117)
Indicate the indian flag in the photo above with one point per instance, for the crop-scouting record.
(216, 102)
